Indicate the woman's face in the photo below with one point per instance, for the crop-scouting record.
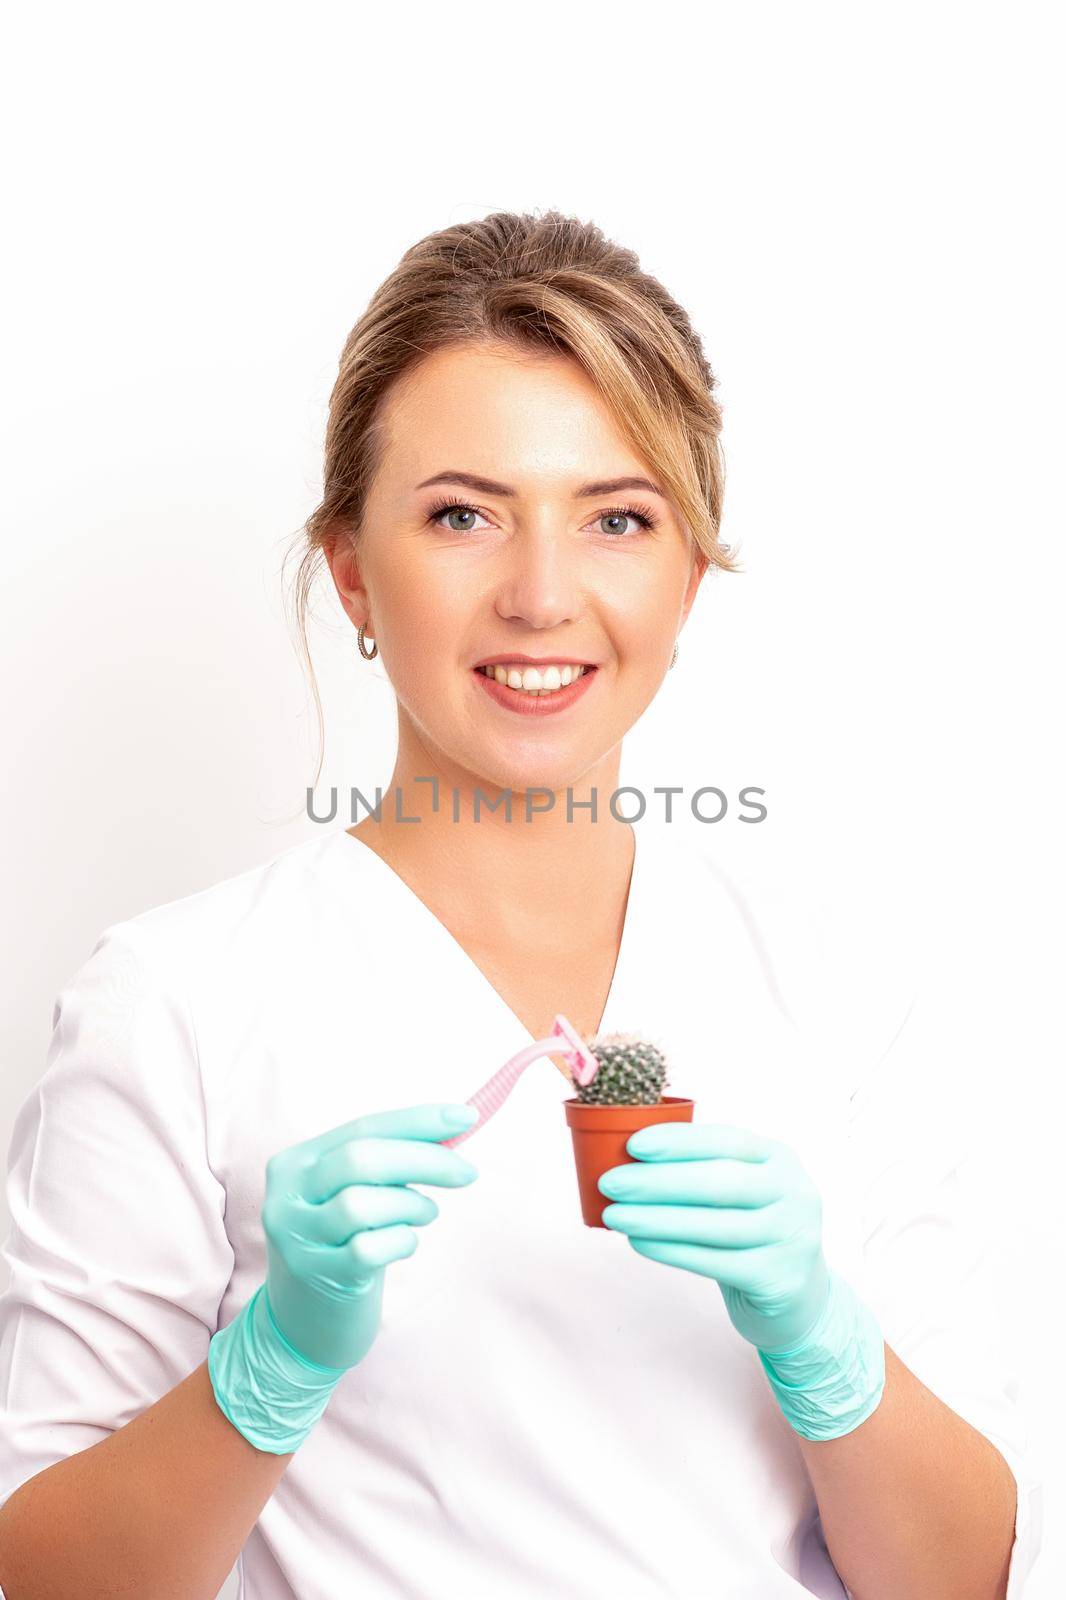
(528, 561)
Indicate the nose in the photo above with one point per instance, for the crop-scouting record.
(540, 578)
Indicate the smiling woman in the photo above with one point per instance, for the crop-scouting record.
(537, 345)
(215, 1185)
(542, 570)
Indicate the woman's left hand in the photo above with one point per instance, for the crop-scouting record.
(734, 1206)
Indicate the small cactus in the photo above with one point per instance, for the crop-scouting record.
(632, 1072)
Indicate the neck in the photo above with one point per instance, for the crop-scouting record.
(517, 877)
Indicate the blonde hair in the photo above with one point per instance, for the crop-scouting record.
(547, 284)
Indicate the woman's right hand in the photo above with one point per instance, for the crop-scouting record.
(337, 1210)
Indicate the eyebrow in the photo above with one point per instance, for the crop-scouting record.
(471, 480)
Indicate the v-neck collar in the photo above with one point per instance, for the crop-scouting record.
(355, 852)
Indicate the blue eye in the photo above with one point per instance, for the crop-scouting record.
(630, 513)
(455, 505)
(612, 514)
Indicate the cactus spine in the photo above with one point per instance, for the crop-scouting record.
(632, 1072)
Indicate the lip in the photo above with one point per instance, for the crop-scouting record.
(519, 660)
(536, 705)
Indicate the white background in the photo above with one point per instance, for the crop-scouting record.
(860, 208)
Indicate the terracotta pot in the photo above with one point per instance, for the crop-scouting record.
(600, 1133)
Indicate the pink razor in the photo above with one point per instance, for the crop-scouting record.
(491, 1096)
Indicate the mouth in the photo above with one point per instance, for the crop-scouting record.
(546, 679)
(535, 691)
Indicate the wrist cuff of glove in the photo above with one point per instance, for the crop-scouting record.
(270, 1393)
(832, 1382)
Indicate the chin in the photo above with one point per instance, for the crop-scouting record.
(492, 771)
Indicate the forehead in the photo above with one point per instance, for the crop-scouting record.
(503, 413)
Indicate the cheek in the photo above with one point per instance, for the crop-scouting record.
(417, 621)
(641, 607)
(423, 671)
(424, 658)
(644, 646)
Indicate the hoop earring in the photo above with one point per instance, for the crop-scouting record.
(367, 655)
(673, 658)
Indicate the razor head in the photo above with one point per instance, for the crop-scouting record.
(579, 1058)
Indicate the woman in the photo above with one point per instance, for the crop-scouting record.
(212, 1339)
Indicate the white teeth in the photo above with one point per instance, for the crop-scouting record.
(534, 680)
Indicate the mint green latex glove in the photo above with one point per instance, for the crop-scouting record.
(337, 1211)
(740, 1208)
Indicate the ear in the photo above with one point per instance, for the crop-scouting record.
(340, 554)
(700, 566)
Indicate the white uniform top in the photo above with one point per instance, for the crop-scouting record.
(544, 1411)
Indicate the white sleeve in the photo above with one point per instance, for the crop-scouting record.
(118, 1250)
(935, 1260)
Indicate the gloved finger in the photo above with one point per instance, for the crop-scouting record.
(736, 1268)
(366, 1160)
(349, 1268)
(423, 1121)
(377, 1247)
(334, 1269)
(722, 1182)
(354, 1208)
(694, 1141)
(725, 1230)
